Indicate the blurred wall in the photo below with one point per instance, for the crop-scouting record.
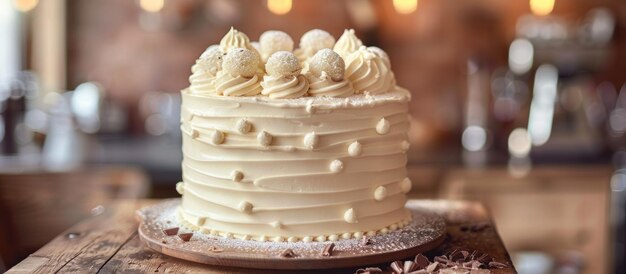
(131, 51)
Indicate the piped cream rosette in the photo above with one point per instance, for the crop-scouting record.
(326, 75)
(368, 72)
(310, 43)
(204, 71)
(324, 68)
(239, 74)
(283, 79)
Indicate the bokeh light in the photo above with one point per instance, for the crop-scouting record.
(542, 7)
(405, 6)
(279, 7)
(25, 5)
(152, 5)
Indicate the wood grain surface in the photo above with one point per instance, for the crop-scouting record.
(108, 243)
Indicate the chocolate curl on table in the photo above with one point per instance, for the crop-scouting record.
(185, 236)
(328, 250)
(421, 261)
(366, 241)
(288, 253)
(171, 231)
(369, 270)
(215, 249)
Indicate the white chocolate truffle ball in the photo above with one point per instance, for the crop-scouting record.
(211, 59)
(283, 63)
(241, 62)
(314, 40)
(274, 40)
(212, 53)
(328, 61)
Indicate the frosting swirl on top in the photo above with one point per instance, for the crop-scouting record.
(285, 87)
(367, 72)
(325, 86)
(347, 44)
(201, 81)
(227, 85)
(205, 69)
(326, 75)
(239, 77)
(235, 39)
(284, 79)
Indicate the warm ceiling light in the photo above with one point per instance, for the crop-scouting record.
(541, 7)
(405, 6)
(152, 5)
(279, 7)
(25, 5)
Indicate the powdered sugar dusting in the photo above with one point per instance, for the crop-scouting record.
(283, 63)
(425, 227)
(326, 60)
(315, 40)
(241, 62)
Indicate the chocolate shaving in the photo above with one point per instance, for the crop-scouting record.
(171, 231)
(328, 250)
(288, 253)
(456, 262)
(432, 267)
(465, 254)
(164, 242)
(366, 241)
(409, 266)
(480, 271)
(421, 261)
(185, 236)
(495, 264)
(421, 271)
(483, 258)
(369, 270)
(215, 249)
(442, 259)
(456, 256)
(397, 267)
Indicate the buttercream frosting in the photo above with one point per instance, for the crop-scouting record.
(295, 166)
(272, 155)
(347, 43)
(227, 85)
(283, 79)
(325, 86)
(235, 39)
(285, 86)
(203, 72)
(239, 76)
(368, 72)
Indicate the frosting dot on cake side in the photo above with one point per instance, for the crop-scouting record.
(273, 153)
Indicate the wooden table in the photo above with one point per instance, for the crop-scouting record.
(108, 243)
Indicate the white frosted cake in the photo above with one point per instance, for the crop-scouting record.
(294, 145)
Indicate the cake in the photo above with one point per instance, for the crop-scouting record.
(283, 144)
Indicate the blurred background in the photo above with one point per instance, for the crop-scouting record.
(520, 104)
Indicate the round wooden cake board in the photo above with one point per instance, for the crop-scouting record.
(425, 232)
